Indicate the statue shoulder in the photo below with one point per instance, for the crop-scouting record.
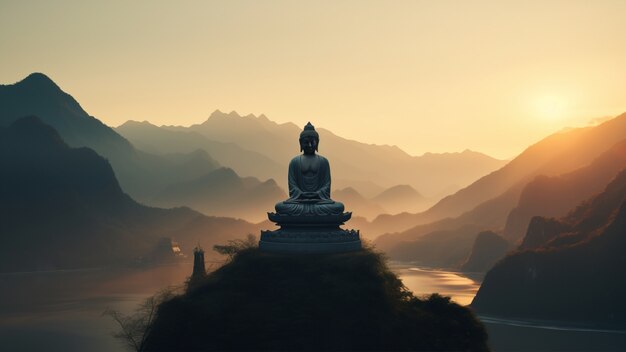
(322, 159)
(295, 160)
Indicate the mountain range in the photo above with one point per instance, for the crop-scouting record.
(568, 268)
(223, 193)
(367, 168)
(357, 203)
(159, 160)
(554, 196)
(63, 208)
(143, 175)
(152, 139)
(190, 166)
(596, 152)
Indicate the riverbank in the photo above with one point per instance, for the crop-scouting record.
(62, 311)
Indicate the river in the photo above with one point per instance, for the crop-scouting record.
(63, 310)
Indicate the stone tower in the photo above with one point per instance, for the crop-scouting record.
(199, 269)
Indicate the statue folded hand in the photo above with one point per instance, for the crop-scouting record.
(309, 195)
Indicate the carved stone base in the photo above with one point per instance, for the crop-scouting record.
(310, 234)
(304, 247)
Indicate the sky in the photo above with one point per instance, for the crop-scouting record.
(427, 76)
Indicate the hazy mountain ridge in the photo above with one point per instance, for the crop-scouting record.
(357, 203)
(38, 95)
(223, 193)
(391, 200)
(487, 216)
(141, 174)
(488, 248)
(162, 140)
(554, 155)
(351, 161)
(574, 274)
(401, 198)
(144, 175)
(493, 214)
(555, 196)
(63, 208)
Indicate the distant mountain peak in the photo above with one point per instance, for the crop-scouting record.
(347, 190)
(398, 191)
(38, 80)
(220, 115)
(464, 153)
(38, 95)
(403, 188)
(32, 129)
(199, 154)
(28, 121)
(270, 182)
(130, 123)
(38, 76)
(30, 136)
(217, 114)
(225, 172)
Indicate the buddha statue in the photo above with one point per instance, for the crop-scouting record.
(309, 181)
(310, 221)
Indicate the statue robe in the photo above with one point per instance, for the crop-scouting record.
(316, 180)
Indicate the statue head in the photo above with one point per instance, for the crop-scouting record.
(309, 139)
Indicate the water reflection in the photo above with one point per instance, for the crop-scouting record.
(423, 281)
(62, 310)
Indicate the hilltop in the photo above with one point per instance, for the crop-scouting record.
(350, 301)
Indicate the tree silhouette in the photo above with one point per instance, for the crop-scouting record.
(134, 328)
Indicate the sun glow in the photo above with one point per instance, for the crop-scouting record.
(550, 108)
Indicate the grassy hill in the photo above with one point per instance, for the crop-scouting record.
(350, 301)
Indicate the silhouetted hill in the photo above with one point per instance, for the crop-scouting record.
(38, 95)
(357, 204)
(62, 207)
(339, 302)
(153, 139)
(488, 215)
(554, 196)
(557, 154)
(401, 198)
(550, 196)
(540, 231)
(448, 233)
(140, 174)
(452, 236)
(223, 193)
(488, 249)
(492, 214)
(438, 248)
(367, 189)
(354, 164)
(574, 275)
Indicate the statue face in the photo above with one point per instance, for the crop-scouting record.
(308, 145)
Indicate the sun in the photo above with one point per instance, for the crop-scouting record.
(550, 108)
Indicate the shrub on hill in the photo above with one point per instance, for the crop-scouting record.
(348, 301)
